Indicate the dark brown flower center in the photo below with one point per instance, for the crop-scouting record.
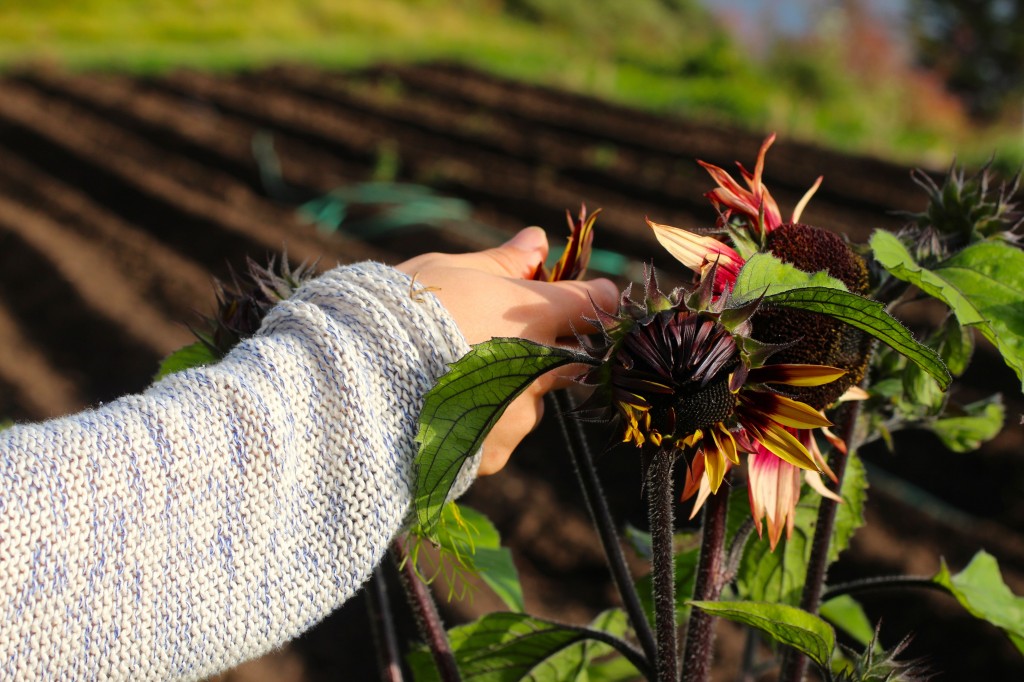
(822, 339)
(699, 407)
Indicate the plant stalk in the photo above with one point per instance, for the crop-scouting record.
(382, 628)
(425, 612)
(661, 501)
(895, 582)
(593, 495)
(710, 579)
(794, 663)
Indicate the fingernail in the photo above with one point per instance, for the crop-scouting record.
(528, 239)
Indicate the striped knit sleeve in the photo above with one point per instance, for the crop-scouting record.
(174, 534)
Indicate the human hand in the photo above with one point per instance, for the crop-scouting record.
(488, 294)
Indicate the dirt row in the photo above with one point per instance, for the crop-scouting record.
(122, 197)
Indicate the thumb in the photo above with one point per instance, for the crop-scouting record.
(518, 257)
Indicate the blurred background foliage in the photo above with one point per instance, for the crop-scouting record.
(911, 80)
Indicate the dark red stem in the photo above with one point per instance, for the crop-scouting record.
(382, 627)
(794, 663)
(428, 620)
(661, 501)
(710, 579)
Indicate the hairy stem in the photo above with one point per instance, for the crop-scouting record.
(593, 495)
(895, 582)
(427, 618)
(710, 579)
(794, 663)
(382, 628)
(660, 507)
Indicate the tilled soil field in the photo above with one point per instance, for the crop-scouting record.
(122, 197)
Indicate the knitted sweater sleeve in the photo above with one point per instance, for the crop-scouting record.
(173, 534)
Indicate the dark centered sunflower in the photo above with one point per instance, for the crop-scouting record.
(670, 376)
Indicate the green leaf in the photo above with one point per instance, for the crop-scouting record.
(980, 422)
(779, 576)
(765, 275)
(981, 590)
(193, 355)
(5, 424)
(785, 624)
(464, 405)
(507, 647)
(473, 543)
(845, 613)
(983, 285)
(955, 345)
(870, 317)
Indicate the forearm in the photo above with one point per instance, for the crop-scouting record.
(228, 508)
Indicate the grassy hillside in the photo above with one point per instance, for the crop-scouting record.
(668, 55)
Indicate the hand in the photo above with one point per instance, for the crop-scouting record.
(488, 295)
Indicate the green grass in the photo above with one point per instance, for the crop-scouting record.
(664, 55)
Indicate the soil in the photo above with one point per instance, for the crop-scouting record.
(122, 197)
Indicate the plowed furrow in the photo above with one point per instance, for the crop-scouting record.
(30, 386)
(174, 283)
(873, 183)
(533, 196)
(198, 132)
(96, 354)
(136, 183)
(523, 142)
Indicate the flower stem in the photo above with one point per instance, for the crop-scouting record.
(710, 579)
(894, 582)
(794, 663)
(427, 618)
(660, 507)
(593, 495)
(382, 628)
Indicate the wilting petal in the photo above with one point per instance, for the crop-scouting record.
(854, 393)
(785, 411)
(795, 375)
(813, 479)
(802, 204)
(806, 436)
(576, 257)
(699, 253)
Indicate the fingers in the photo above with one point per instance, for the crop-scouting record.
(517, 258)
(569, 302)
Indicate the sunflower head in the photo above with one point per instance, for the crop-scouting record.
(678, 372)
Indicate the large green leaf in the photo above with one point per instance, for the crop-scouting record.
(983, 285)
(765, 275)
(779, 576)
(464, 405)
(508, 647)
(847, 614)
(785, 624)
(783, 284)
(981, 590)
(870, 317)
(193, 355)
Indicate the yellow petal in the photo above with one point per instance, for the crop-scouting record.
(784, 445)
(854, 393)
(715, 468)
(725, 443)
(795, 375)
(813, 479)
(796, 414)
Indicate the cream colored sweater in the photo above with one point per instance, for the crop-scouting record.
(174, 534)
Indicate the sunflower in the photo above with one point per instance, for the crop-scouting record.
(676, 375)
(750, 218)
